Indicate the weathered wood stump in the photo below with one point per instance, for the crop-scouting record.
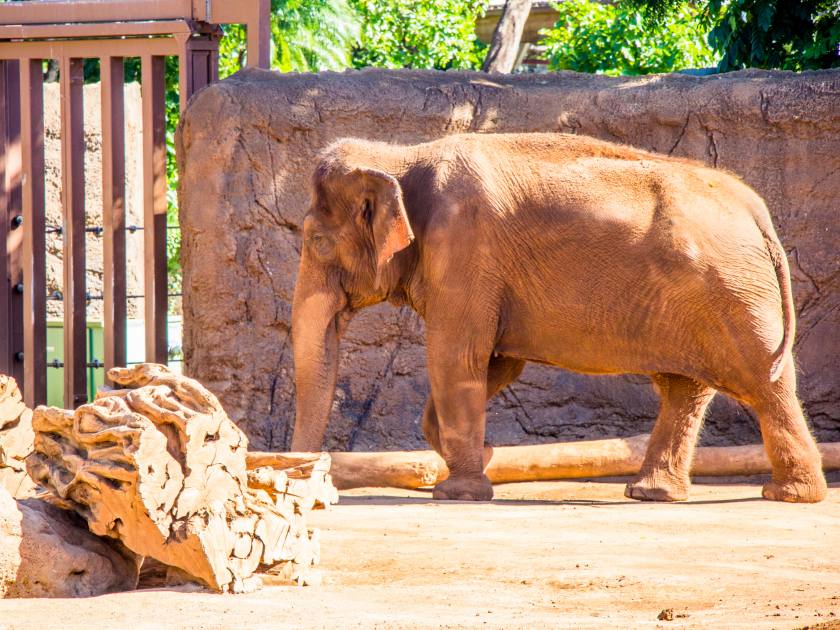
(16, 438)
(160, 466)
(303, 485)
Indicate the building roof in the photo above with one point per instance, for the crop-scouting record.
(498, 5)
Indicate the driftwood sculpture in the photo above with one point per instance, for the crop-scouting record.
(570, 460)
(159, 466)
(15, 439)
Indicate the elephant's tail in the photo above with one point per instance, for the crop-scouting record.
(780, 263)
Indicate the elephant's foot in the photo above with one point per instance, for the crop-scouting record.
(796, 491)
(464, 489)
(652, 487)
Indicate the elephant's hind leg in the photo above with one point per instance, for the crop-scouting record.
(664, 475)
(795, 460)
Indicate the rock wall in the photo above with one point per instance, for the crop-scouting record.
(248, 146)
(48, 552)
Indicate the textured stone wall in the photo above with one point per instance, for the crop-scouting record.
(249, 143)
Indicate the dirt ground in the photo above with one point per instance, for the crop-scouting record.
(550, 554)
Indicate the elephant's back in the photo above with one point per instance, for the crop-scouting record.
(640, 266)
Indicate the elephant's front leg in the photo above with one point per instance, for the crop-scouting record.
(501, 372)
(459, 391)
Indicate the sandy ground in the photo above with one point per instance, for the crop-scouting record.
(558, 554)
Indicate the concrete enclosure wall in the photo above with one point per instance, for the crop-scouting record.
(248, 147)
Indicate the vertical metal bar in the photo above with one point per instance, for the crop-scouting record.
(6, 226)
(71, 77)
(34, 246)
(259, 36)
(11, 231)
(154, 206)
(113, 210)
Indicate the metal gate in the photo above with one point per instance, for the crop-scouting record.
(69, 31)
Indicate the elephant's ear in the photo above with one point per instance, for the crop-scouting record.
(384, 212)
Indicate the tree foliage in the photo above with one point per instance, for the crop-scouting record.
(615, 39)
(307, 36)
(424, 34)
(765, 33)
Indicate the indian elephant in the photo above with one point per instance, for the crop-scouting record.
(563, 250)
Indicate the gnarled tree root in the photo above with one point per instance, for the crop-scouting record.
(160, 466)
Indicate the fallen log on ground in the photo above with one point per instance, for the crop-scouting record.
(617, 457)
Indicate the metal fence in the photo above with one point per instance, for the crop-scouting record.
(68, 32)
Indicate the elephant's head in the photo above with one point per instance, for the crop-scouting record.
(355, 225)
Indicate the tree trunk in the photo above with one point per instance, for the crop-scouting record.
(506, 37)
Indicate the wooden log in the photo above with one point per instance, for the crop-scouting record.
(615, 457)
(750, 459)
(159, 466)
(303, 462)
(303, 485)
(392, 469)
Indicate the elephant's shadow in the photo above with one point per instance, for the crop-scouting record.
(397, 500)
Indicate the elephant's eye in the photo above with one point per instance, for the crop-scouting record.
(367, 211)
(320, 245)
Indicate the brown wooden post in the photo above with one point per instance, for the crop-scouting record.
(185, 71)
(259, 36)
(214, 59)
(6, 287)
(154, 206)
(71, 77)
(34, 247)
(11, 224)
(113, 210)
(198, 63)
(254, 14)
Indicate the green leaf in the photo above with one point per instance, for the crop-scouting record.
(424, 34)
(616, 39)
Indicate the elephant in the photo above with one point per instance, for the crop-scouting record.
(564, 250)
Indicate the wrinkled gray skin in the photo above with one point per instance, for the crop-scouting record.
(562, 250)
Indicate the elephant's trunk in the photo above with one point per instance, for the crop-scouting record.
(315, 332)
